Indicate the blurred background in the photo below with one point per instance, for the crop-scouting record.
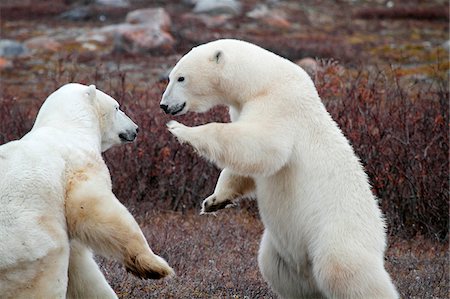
(381, 68)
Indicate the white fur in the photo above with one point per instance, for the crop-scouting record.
(38, 175)
(324, 232)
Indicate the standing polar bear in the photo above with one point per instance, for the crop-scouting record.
(56, 202)
(324, 233)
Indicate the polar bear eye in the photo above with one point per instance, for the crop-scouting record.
(180, 79)
(117, 108)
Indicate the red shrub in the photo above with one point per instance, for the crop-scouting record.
(16, 117)
(432, 13)
(401, 136)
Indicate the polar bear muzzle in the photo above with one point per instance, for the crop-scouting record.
(129, 135)
(174, 110)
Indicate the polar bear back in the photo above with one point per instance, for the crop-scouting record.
(27, 173)
(31, 196)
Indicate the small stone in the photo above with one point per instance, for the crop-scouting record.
(258, 12)
(146, 30)
(11, 48)
(136, 38)
(277, 21)
(113, 3)
(190, 2)
(5, 64)
(231, 7)
(150, 15)
(446, 45)
(274, 18)
(42, 43)
(94, 36)
(89, 46)
(81, 13)
(146, 40)
(207, 20)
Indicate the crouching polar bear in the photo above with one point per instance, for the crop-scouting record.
(324, 233)
(56, 202)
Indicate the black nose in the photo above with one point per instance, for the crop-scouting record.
(137, 130)
(127, 137)
(164, 107)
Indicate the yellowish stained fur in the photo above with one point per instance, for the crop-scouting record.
(97, 218)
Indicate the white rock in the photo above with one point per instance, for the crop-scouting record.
(218, 7)
(40, 43)
(258, 12)
(113, 3)
(158, 16)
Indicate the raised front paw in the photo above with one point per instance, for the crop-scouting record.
(178, 130)
(213, 204)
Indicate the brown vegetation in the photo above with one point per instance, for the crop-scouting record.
(433, 13)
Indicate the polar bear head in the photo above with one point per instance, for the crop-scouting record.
(194, 82)
(88, 110)
(223, 72)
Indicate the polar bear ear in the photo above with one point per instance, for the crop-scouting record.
(217, 57)
(91, 92)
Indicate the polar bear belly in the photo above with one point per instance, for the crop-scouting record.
(279, 205)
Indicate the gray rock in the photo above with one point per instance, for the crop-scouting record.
(137, 38)
(42, 43)
(446, 45)
(231, 7)
(113, 3)
(210, 21)
(150, 15)
(142, 38)
(146, 30)
(81, 13)
(273, 17)
(11, 48)
(260, 11)
(190, 2)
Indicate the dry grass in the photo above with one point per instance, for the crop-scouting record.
(215, 257)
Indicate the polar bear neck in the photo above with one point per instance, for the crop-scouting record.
(253, 72)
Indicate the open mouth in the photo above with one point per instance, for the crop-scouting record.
(175, 112)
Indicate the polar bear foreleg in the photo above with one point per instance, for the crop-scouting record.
(245, 148)
(229, 187)
(85, 278)
(97, 219)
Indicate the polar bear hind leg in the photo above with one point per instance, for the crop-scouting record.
(364, 277)
(85, 278)
(284, 279)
